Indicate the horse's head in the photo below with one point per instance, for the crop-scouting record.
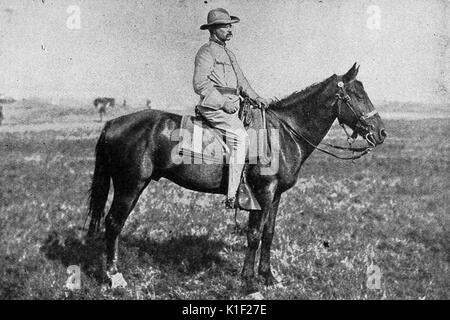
(355, 109)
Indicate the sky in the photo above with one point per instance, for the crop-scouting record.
(143, 49)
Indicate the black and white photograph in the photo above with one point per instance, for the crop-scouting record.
(247, 151)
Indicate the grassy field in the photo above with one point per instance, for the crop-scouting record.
(389, 209)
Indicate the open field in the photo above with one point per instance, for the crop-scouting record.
(389, 209)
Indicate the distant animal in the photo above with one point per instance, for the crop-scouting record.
(102, 103)
(6, 100)
(135, 149)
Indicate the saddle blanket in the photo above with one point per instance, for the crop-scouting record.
(200, 142)
(203, 144)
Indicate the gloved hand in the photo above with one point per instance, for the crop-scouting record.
(263, 102)
(230, 105)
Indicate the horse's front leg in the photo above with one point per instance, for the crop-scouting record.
(266, 243)
(256, 222)
(254, 229)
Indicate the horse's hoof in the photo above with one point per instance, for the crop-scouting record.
(270, 280)
(255, 296)
(111, 271)
(250, 286)
(117, 280)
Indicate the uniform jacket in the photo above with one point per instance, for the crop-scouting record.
(216, 66)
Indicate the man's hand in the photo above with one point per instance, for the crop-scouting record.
(230, 106)
(263, 102)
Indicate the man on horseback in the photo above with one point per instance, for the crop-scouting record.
(219, 81)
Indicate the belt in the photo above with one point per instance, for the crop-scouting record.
(226, 90)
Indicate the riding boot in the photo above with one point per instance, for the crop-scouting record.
(234, 179)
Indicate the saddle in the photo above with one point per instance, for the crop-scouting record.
(200, 143)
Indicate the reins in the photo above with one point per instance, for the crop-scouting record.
(364, 150)
(350, 138)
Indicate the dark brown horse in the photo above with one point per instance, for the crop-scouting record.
(135, 149)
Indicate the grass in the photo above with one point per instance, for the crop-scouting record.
(389, 209)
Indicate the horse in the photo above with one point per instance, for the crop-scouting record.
(135, 149)
(102, 104)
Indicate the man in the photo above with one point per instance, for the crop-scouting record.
(219, 81)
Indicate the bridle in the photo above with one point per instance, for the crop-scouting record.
(343, 97)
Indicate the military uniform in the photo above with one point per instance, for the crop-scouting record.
(218, 78)
(216, 68)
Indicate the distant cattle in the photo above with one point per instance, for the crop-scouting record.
(102, 103)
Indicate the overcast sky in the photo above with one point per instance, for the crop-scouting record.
(138, 49)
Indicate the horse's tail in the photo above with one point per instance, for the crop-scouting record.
(98, 193)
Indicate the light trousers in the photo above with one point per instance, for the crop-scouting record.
(236, 138)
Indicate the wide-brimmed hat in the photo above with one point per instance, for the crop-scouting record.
(219, 16)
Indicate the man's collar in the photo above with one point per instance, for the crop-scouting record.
(214, 39)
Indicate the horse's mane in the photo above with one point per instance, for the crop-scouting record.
(302, 95)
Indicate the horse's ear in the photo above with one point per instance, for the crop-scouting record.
(351, 74)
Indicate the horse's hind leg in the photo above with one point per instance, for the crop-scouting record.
(125, 198)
